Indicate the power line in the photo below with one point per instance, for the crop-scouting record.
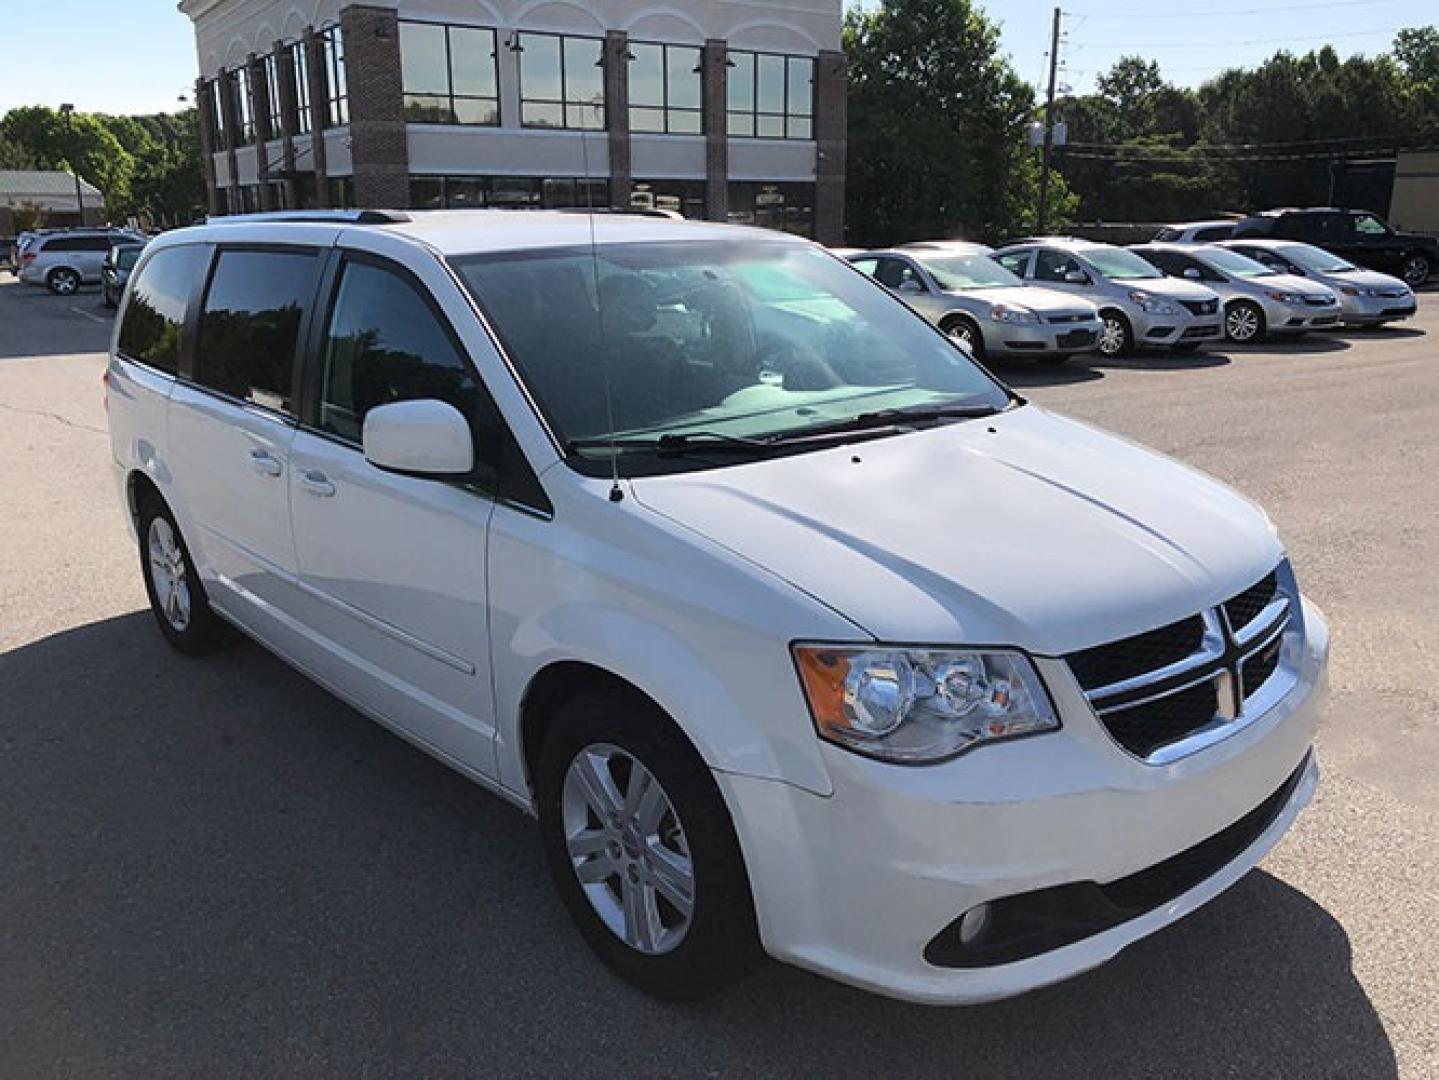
(1383, 139)
(1228, 13)
(1150, 45)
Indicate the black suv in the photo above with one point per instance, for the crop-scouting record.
(1358, 235)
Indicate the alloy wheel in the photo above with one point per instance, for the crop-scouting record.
(628, 848)
(64, 282)
(168, 574)
(1416, 271)
(1112, 336)
(1241, 323)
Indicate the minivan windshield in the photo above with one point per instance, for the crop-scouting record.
(715, 340)
(1235, 264)
(1116, 264)
(957, 272)
(1317, 259)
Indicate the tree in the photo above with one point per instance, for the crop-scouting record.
(938, 124)
(13, 155)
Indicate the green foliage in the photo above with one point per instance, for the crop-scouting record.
(146, 166)
(938, 123)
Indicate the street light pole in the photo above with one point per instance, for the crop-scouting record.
(65, 111)
(1049, 124)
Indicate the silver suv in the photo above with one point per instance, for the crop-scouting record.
(63, 261)
(977, 302)
(1138, 305)
(1258, 301)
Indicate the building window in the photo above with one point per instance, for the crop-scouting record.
(244, 106)
(665, 89)
(771, 96)
(301, 58)
(685, 197)
(337, 93)
(272, 91)
(562, 82)
(218, 134)
(788, 207)
(507, 192)
(449, 74)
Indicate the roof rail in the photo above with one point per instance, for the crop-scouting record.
(323, 217)
(629, 211)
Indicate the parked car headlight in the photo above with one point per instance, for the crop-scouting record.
(1018, 316)
(921, 705)
(1152, 304)
(1284, 297)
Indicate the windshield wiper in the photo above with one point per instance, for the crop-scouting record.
(899, 419)
(677, 443)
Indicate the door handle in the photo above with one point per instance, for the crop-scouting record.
(264, 463)
(317, 483)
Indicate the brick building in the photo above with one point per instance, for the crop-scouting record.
(721, 109)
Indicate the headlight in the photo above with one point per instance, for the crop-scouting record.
(1152, 304)
(1018, 316)
(1284, 297)
(921, 705)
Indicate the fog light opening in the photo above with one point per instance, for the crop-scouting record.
(974, 924)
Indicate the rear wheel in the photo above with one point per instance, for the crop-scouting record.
(1243, 322)
(177, 599)
(641, 847)
(1116, 338)
(965, 332)
(62, 281)
(1417, 270)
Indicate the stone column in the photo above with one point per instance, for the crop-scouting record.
(315, 65)
(831, 138)
(289, 116)
(379, 144)
(260, 102)
(714, 97)
(617, 115)
(205, 106)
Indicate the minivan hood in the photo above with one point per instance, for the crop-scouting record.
(1037, 299)
(1027, 529)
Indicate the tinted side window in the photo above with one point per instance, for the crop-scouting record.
(384, 344)
(1165, 260)
(95, 243)
(1054, 265)
(58, 244)
(155, 315)
(1016, 262)
(251, 322)
(1217, 232)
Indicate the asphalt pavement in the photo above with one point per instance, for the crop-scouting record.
(213, 868)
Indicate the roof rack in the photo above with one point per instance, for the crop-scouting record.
(322, 217)
(628, 211)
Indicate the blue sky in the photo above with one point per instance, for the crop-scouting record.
(138, 55)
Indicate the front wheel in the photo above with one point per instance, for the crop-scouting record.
(964, 332)
(1115, 336)
(1417, 270)
(1243, 322)
(642, 850)
(63, 281)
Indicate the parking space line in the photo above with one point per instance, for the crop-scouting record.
(89, 315)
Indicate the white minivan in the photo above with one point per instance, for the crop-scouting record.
(797, 632)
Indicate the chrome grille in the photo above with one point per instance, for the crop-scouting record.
(1171, 691)
(1201, 307)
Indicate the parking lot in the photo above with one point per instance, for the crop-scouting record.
(213, 868)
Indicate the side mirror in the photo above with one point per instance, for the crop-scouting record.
(1193, 274)
(425, 438)
(1077, 277)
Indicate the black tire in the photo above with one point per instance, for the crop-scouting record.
(109, 300)
(720, 943)
(1116, 336)
(1244, 323)
(1053, 360)
(1417, 270)
(201, 631)
(963, 329)
(62, 281)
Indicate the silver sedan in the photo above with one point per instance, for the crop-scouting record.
(1367, 297)
(993, 313)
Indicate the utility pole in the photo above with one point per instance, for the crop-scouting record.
(1049, 125)
(65, 111)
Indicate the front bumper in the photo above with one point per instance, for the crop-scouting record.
(1281, 318)
(1372, 310)
(1042, 339)
(1182, 329)
(857, 884)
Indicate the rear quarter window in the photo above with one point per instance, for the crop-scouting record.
(152, 327)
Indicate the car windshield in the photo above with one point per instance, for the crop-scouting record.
(1317, 259)
(956, 272)
(1116, 264)
(1235, 264)
(741, 340)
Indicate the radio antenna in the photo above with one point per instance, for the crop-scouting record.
(617, 493)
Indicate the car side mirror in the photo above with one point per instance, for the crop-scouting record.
(1077, 277)
(427, 438)
(1193, 274)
